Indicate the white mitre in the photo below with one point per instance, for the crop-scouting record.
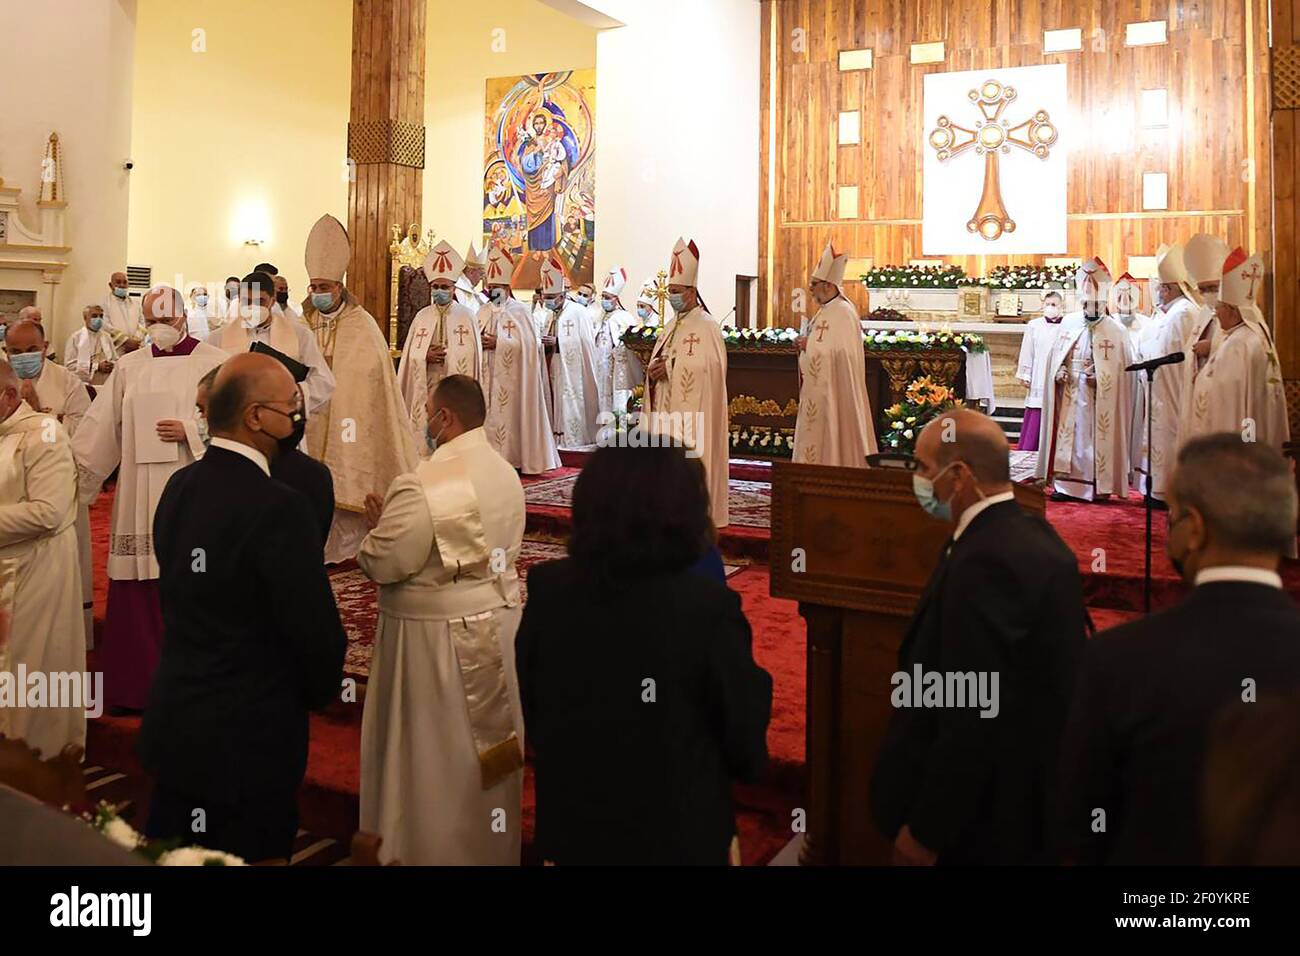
(1243, 278)
(500, 267)
(552, 278)
(1203, 257)
(328, 250)
(1092, 273)
(475, 259)
(831, 267)
(443, 262)
(1170, 268)
(647, 296)
(615, 281)
(685, 263)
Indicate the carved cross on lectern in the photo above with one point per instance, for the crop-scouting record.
(990, 137)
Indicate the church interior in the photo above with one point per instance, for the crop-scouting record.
(811, 235)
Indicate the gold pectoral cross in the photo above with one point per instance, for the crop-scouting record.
(991, 137)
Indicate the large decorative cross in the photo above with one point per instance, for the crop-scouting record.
(691, 341)
(1106, 345)
(990, 137)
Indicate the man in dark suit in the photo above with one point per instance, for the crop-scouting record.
(968, 777)
(1150, 692)
(253, 637)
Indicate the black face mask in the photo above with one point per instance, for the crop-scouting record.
(292, 440)
(282, 298)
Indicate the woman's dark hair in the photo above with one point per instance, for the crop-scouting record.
(636, 512)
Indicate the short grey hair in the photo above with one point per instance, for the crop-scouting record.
(1244, 490)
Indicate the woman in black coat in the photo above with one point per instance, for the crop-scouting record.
(642, 702)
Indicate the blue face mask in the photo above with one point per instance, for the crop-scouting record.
(441, 296)
(323, 301)
(26, 365)
(644, 312)
(582, 300)
(201, 301)
(201, 425)
(96, 323)
(923, 488)
(607, 305)
(120, 293)
(677, 301)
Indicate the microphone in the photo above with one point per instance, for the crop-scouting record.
(1173, 358)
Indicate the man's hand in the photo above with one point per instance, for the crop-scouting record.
(1090, 372)
(908, 852)
(549, 341)
(1062, 374)
(658, 370)
(27, 392)
(374, 508)
(169, 429)
(130, 345)
(1202, 348)
(489, 340)
(802, 342)
(106, 366)
(436, 355)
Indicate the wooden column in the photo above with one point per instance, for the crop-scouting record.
(385, 139)
(1283, 63)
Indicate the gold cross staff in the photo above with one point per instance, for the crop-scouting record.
(990, 137)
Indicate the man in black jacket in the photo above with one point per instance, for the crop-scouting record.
(1150, 692)
(965, 772)
(253, 637)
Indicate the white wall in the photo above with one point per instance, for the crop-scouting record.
(68, 70)
(677, 139)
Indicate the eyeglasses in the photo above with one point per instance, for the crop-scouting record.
(272, 402)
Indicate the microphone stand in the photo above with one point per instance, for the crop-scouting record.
(1146, 497)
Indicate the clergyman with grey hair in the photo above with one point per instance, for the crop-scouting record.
(1150, 691)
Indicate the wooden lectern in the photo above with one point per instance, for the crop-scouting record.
(853, 547)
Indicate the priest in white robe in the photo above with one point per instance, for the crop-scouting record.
(686, 381)
(467, 283)
(122, 315)
(517, 425)
(144, 421)
(444, 339)
(1124, 299)
(1240, 388)
(1177, 307)
(41, 628)
(835, 425)
(647, 306)
(362, 433)
(1031, 370)
(575, 396)
(50, 389)
(197, 314)
(89, 351)
(442, 732)
(618, 370)
(1084, 442)
(257, 319)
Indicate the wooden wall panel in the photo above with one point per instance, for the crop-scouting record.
(1214, 67)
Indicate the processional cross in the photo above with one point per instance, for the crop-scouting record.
(990, 137)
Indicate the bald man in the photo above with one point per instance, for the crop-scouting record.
(254, 639)
(966, 779)
(143, 420)
(123, 316)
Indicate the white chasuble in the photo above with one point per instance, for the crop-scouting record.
(123, 319)
(1137, 324)
(690, 405)
(617, 369)
(442, 732)
(85, 351)
(834, 426)
(1240, 390)
(1167, 334)
(40, 576)
(362, 434)
(517, 425)
(456, 329)
(120, 429)
(294, 339)
(1084, 440)
(575, 394)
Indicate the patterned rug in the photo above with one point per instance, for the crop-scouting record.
(750, 501)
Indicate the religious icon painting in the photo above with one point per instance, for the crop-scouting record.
(995, 150)
(539, 179)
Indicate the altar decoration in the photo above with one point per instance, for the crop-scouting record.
(916, 277)
(1029, 277)
(923, 401)
(104, 819)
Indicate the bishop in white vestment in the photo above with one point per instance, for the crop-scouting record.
(89, 351)
(686, 381)
(1084, 441)
(122, 315)
(1124, 298)
(144, 421)
(467, 293)
(834, 426)
(444, 339)
(362, 434)
(41, 628)
(575, 395)
(517, 425)
(617, 368)
(1172, 326)
(442, 733)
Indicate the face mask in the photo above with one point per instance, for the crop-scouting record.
(120, 293)
(294, 438)
(255, 316)
(441, 296)
(644, 312)
(1051, 311)
(678, 302)
(232, 291)
(201, 425)
(322, 301)
(497, 295)
(96, 323)
(555, 305)
(26, 365)
(923, 488)
(607, 306)
(434, 439)
(582, 300)
(163, 335)
(282, 298)
(201, 301)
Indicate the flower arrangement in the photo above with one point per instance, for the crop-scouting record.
(893, 340)
(641, 333)
(1004, 278)
(759, 338)
(636, 398)
(763, 441)
(916, 277)
(104, 819)
(924, 401)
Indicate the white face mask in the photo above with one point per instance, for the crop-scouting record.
(163, 335)
(254, 315)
